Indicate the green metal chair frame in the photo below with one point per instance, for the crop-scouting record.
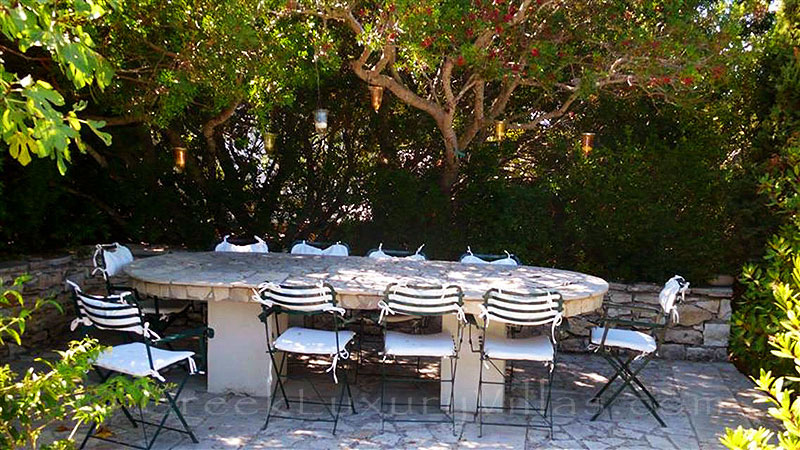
(128, 301)
(449, 415)
(508, 379)
(659, 321)
(266, 313)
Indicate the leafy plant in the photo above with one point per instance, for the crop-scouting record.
(778, 391)
(32, 123)
(35, 400)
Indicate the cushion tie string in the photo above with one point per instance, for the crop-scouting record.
(419, 249)
(556, 322)
(344, 354)
(148, 333)
(79, 321)
(97, 254)
(385, 309)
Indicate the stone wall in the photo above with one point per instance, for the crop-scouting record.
(48, 275)
(702, 330)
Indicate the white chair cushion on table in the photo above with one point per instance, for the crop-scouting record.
(628, 339)
(403, 344)
(132, 359)
(312, 342)
(538, 348)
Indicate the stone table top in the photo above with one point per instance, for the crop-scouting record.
(358, 281)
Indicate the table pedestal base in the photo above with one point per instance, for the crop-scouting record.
(467, 371)
(238, 361)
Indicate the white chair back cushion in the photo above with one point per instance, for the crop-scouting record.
(114, 260)
(304, 298)
(301, 248)
(531, 308)
(259, 247)
(422, 300)
(668, 296)
(336, 249)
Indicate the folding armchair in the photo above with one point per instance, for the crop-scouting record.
(426, 301)
(259, 246)
(639, 343)
(540, 309)
(381, 254)
(483, 258)
(320, 248)
(305, 300)
(109, 260)
(142, 358)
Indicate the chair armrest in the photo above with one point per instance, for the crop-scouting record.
(194, 332)
(630, 306)
(471, 320)
(631, 323)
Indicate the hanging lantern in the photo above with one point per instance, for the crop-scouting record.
(270, 140)
(587, 143)
(321, 120)
(376, 95)
(180, 158)
(499, 130)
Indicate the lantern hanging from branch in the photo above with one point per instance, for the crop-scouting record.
(587, 143)
(499, 130)
(376, 95)
(180, 158)
(270, 140)
(321, 120)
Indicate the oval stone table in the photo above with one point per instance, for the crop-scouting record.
(237, 353)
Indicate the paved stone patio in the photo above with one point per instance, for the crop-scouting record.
(699, 399)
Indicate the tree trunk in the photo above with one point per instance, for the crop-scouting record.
(450, 166)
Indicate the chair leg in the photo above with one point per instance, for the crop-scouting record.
(173, 407)
(453, 368)
(383, 393)
(609, 383)
(479, 407)
(339, 405)
(629, 380)
(88, 435)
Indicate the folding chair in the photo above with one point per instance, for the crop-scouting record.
(135, 359)
(109, 260)
(259, 246)
(320, 248)
(529, 309)
(639, 343)
(306, 300)
(484, 258)
(381, 254)
(421, 300)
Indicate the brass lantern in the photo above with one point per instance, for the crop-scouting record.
(587, 142)
(180, 158)
(376, 95)
(499, 130)
(321, 120)
(270, 140)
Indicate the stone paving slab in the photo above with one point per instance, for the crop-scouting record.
(699, 400)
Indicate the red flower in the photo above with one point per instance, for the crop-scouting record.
(626, 43)
(534, 52)
(498, 29)
(560, 54)
(460, 60)
(469, 32)
(391, 7)
(687, 81)
(392, 36)
(666, 80)
(507, 18)
(427, 42)
(428, 11)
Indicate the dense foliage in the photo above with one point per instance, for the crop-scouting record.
(61, 393)
(758, 317)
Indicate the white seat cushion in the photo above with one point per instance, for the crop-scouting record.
(403, 344)
(628, 339)
(538, 348)
(312, 342)
(132, 359)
